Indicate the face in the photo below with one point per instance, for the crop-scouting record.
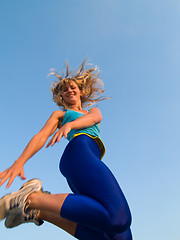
(71, 93)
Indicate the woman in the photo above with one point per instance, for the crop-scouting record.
(97, 208)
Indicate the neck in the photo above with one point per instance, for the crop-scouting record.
(75, 107)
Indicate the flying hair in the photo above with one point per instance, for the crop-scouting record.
(87, 79)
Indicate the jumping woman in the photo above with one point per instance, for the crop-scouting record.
(96, 209)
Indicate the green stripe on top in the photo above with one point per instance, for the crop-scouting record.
(72, 115)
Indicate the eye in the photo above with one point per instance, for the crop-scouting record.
(64, 89)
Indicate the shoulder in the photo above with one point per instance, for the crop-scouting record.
(52, 123)
(56, 117)
(96, 113)
(95, 110)
(58, 114)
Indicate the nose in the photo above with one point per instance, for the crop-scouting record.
(69, 89)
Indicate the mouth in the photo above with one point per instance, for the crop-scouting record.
(70, 95)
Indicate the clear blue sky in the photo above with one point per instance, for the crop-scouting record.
(136, 44)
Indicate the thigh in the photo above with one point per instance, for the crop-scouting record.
(126, 235)
(85, 233)
(88, 175)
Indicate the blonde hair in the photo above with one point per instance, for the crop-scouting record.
(87, 80)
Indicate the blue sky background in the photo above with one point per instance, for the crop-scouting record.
(136, 45)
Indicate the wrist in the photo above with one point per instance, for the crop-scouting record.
(71, 125)
(19, 162)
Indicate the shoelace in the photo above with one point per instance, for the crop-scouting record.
(14, 202)
(31, 215)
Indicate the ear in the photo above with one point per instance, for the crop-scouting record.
(81, 93)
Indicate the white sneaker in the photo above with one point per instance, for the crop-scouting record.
(11, 203)
(14, 220)
(21, 215)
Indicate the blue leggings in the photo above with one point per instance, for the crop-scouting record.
(97, 204)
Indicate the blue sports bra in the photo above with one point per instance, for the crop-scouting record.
(93, 131)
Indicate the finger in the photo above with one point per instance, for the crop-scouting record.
(59, 137)
(4, 180)
(22, 175)
(2, 174)
(54, 139)
(11, 179)
(65, 135)
(49, 143)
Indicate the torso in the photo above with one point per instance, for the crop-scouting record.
(63, 113)
(92, 132)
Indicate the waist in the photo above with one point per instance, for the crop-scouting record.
(92, 131)
(97, 140)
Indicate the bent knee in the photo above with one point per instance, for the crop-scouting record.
(119, 226)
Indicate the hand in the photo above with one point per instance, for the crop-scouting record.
(15, 170)
(63, 131)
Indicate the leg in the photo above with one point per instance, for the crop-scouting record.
(127, 235)
(99, 202)
(62, 223)
(47, 202)
(79, 232)
(49, 211)
(50, 207)
(90, 234)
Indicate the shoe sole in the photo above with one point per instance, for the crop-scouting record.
(3, 199)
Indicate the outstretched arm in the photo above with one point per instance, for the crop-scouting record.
(92, 117)
(35, 144)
